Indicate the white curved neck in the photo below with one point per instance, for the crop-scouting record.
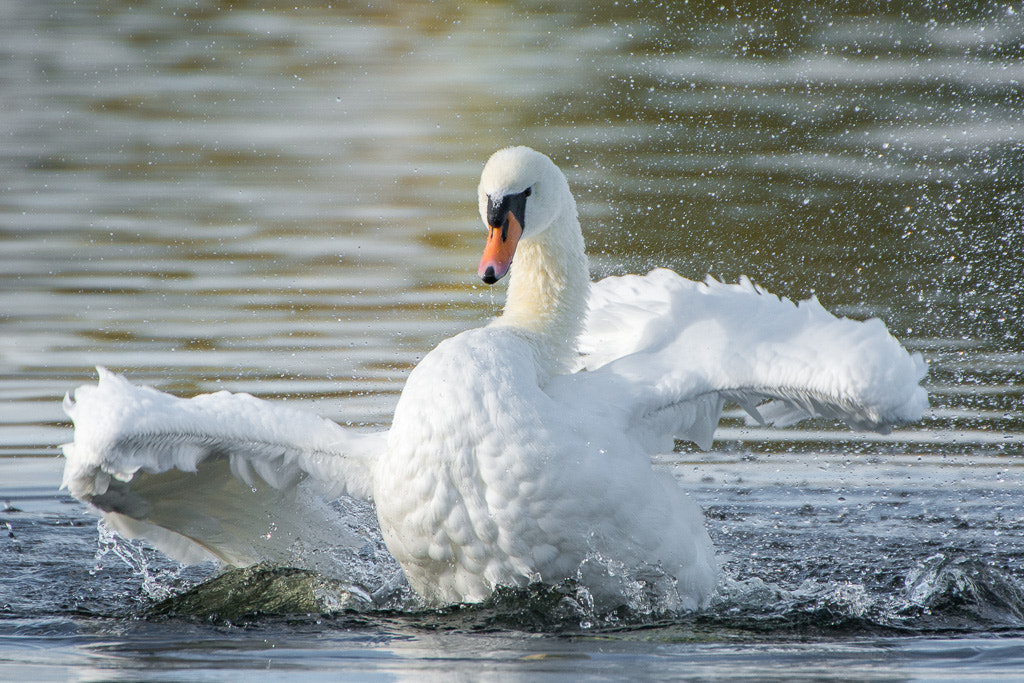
(547, 292)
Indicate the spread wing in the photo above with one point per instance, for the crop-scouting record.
(673, 351)
(222, 475)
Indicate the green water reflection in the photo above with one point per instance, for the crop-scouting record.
(281, 199)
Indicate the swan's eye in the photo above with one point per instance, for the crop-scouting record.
(498, 210)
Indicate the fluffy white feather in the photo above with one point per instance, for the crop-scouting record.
(518, 451)
(213, 475)
(674, 340)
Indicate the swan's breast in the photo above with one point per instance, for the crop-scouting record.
(463, 492)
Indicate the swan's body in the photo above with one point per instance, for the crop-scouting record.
(482, 488)
(505, 463)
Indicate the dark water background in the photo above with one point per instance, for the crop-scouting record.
(280, 199)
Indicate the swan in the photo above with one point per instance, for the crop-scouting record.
(518, 450)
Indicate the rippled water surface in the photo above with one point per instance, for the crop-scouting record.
(281, 200)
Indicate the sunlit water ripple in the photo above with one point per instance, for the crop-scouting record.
(282, 201)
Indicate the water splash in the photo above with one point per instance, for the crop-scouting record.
(952, 591)
(159, 578)
(263, 590)
(944, 592)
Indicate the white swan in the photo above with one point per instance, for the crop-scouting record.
(519, 449)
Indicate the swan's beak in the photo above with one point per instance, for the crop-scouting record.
(505, 220)
(500, 248)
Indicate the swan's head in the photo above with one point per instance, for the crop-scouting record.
(521, 195)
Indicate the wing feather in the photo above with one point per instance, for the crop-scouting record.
(678, 349)
(227, 475)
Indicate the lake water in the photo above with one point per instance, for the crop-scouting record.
(281, 200)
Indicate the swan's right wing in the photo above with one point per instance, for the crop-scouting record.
(222, 475)
(675, 351)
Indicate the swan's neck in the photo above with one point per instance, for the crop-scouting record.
(547, 293)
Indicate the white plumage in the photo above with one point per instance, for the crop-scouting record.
(519, 450)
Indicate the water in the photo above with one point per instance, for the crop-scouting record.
(281, 200)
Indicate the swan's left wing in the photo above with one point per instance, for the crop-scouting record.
(674, 351)
(222, 475)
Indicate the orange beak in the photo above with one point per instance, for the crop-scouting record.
(500, 248)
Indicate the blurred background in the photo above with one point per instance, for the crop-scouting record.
(280, 199)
